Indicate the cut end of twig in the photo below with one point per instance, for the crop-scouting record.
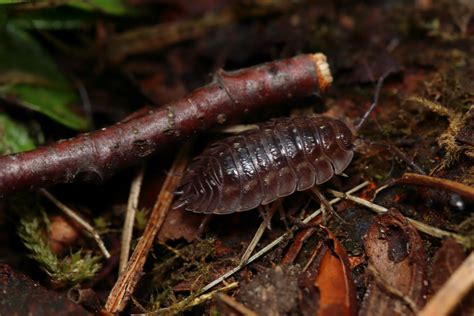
(323, 71)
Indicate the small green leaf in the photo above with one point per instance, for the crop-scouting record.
(30, 78)
(13, 136)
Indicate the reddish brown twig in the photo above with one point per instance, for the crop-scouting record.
(463, 190)
(97, 155)
(127, 280)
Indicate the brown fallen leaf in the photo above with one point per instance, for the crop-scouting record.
(297, 245)
(328, 285)
(180, 223)
(397, 263)
(445, 261)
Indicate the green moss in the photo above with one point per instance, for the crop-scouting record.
(72, 269)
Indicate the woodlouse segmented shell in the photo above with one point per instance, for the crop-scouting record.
(278, 158)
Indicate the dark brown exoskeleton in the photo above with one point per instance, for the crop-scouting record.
(278, 158)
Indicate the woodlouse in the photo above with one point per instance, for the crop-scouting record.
(278, 158)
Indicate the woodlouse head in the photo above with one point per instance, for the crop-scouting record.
(344, 135)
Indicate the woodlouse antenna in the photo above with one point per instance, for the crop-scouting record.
(378, 87)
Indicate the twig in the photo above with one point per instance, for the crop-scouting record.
(404, 157)
(152, 38)
(461, 189)
(325, 206)
(127, 281)
(387, 145)
(97, 155)
(239, 307)
(129, 221)
(452, 292)
(78, 219)
(186, 304)
(274, 243)
(425, 228)
(336, 200)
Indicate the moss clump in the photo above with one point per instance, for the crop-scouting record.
(71, 269)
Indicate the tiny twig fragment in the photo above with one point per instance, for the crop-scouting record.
(128, 279)
(258, 234)
(78, 219)
(132, 205)
(186, 304)
(239, 307)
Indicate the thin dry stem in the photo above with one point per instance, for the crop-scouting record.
(79, 220)
(378, 87)
(129, 221)
(425, 228)
(453, 291)
(239, 307)
(461, 189)
(186, 304)
(258, 234)
(127, 281)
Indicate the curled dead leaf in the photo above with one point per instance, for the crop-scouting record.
(397, 263)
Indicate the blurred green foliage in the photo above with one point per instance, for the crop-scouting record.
(13, 136)
(29, 76)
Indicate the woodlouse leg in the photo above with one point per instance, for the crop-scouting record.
(202, 226)
(283, 216)
(266, 214)
(300, 224)
(327, 207)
